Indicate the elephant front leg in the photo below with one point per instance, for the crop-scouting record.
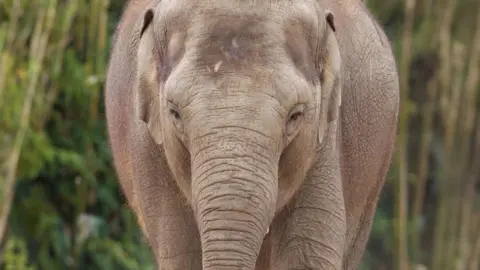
(170, 228)
(172, 234)
(168, 221)
(310, 232)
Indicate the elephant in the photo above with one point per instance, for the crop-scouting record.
(252, 134)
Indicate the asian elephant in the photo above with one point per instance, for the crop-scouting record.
(252, 134)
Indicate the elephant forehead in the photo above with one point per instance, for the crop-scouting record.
(234, 43)
(234, 36)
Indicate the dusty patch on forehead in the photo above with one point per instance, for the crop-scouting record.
(235, 36)
(231, 42)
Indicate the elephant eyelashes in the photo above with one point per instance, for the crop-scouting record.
(294, 120)
(295, 116)
(175, 114)
(176, 118)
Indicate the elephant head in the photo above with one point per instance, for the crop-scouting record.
(240, 94)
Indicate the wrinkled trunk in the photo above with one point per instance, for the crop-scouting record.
(234, 190)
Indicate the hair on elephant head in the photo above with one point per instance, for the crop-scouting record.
(240, 98)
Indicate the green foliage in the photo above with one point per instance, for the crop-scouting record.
(68, 211)
(16, 255)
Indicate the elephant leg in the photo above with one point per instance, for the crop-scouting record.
(168, 221)
(310, 232)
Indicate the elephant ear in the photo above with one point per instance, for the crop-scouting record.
(147, 91)
(330, 77)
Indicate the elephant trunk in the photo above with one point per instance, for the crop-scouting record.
(234, 191)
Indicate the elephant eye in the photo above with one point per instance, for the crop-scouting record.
(295, 116)
(176, 117)
(175, 114)
(294, 120)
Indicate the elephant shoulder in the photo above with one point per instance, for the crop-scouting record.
(369, 67)
(370, 83)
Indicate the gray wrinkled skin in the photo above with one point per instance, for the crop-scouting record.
(252, 134)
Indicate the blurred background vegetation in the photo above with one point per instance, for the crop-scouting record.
(60, 205)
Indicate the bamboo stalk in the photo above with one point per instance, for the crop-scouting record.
(472, 80)
(464, 249)
(428, 4)
(423, 160)
(59, 51)
(438, 261)
(471, 98)
(458, 65)
(12, 30)
(36, 59)
(474, 262)
(402, 260)
(426, 136)
(95, 67)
